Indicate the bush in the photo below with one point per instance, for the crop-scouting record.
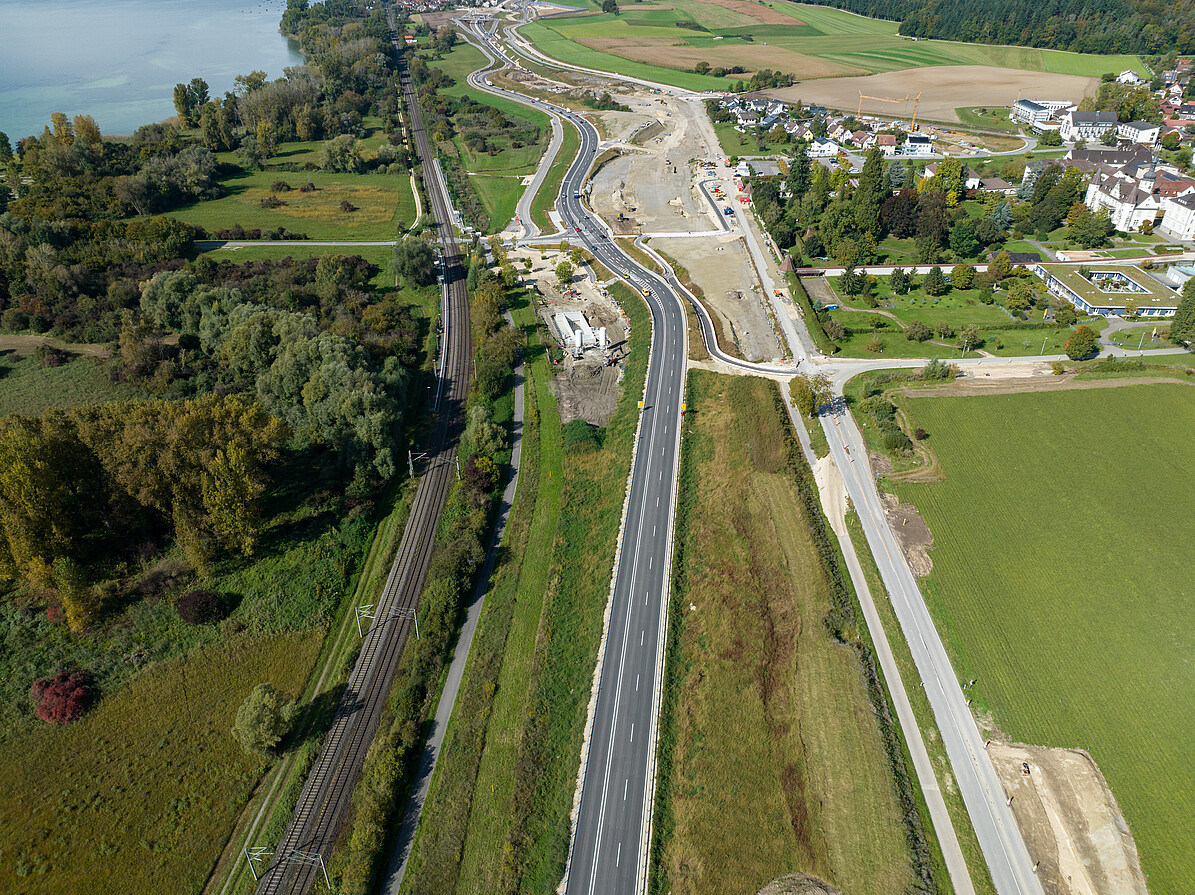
(281, 186)
(272, 201)
(920, 434)
(579, 436)
(201, 607)
(64, 697)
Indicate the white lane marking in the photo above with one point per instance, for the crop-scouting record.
(632, 733)
(636, 683)
(626, 786)
(618, 857)
(657, 501)
(642, 634)
(649, 561)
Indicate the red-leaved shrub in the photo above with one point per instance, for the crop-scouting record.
(200, 607)
(64, 697)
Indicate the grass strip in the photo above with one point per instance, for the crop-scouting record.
(545, 199)
(980, 876)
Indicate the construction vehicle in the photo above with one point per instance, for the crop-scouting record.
(884, 99)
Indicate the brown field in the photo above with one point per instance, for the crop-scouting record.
(755, 11)
(943, 89)
(674, 53)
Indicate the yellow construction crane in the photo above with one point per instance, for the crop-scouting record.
(885, 99)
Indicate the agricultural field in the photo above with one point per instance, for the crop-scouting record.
(1061, 582)
(761, 686)
(666, 41)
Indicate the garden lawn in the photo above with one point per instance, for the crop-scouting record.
(1069, 597)
(762, 687)
(382, 201)
(500, 196)
(140, 794)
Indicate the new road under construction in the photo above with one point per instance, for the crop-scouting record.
(298, 861)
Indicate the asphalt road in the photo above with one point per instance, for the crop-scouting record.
(609, 849)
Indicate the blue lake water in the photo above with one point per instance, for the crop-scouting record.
(118, 60)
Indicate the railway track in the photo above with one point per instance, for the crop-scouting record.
(323, 803)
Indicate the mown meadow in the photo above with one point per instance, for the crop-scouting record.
(1062, 583)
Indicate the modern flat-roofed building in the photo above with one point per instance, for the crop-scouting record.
(1109, 291)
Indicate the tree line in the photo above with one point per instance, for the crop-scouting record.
(1081, 26)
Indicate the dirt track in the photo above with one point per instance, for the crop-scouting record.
(943, 89)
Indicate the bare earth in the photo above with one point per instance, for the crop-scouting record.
(722, 268)
(1070, 821)
(943, 89)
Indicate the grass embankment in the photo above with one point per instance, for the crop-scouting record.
(536, 817)
(382, 203)
(460, 847)
(545, 199)
(1076, 618)
(758, 682)
(140, 794)
(910, 677)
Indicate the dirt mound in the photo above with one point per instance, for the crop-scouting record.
(1070, 821)
(912, 532)
(799, 884)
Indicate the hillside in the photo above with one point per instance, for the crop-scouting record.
(1084, 26)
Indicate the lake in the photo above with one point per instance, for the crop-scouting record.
(118, 60)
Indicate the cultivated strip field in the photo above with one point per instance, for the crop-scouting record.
(811, 42)
(1062, 582)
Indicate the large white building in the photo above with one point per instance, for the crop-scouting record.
(1086, 126)
(1139, 132)
(1037, 112)
(1135, 193)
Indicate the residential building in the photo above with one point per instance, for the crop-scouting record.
(918, 144)
(1128, 195)
(823, 148)
(887, 144)
(1086, 126)
(1139, 132)
(1038, 112)
(1131, 78)
(1109, 291)
(971, 181)
(997, 185)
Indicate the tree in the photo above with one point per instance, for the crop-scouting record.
(341, 154)
(800, 170)
(201, 607)
(610, 6)
(1001, 266)
(900, 281)
(564, 274)
(917, 332)
(962, 276)
(263, 719)
(63, 697)
(1170, 141)
(810, 393)
(1182, 327)
(1083, 343)
(963, 240)
(935, 282)
(870, 192)
(415, 261)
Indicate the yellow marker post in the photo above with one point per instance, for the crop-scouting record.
(640, 405)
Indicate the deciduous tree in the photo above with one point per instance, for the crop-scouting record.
(263, 719)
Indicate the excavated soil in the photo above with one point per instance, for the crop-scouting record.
(911, 531)
(799, 884)
(1070, 821)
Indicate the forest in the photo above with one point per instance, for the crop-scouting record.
(1147, 27)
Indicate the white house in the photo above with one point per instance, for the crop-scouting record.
(1134, 195)
(887, 144)
(1139, 132)
(918, 144)
(1130, 77)
(1178, 216)
(1086, 125)
(823, 148)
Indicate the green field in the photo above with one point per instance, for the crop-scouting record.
(73, 800)
(382, 201)
(644, 41)
(1062, 582)
(28, 388)
(761, 686)
(549, 191)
